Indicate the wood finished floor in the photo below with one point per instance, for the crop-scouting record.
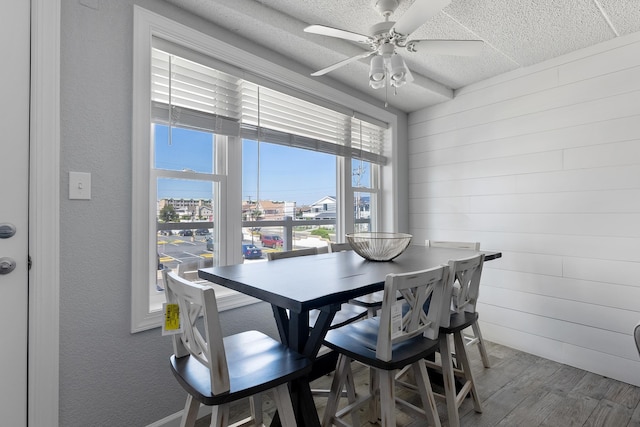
(518, 390)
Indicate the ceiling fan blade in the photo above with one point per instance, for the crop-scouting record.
(335, 32)
(342, 63)
(447, 47)
(417, 14)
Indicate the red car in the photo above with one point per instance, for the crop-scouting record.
(271, 240)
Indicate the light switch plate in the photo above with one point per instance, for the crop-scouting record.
(79, 186)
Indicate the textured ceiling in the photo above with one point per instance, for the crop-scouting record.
(517, 33)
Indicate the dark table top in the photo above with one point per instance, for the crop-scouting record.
(304, 283)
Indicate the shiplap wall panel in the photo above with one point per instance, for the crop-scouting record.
(613, 154)
(595, 133)
(603, 178)
(608, 108)
(594, 338)
(468, 187)
(617, 224)
(618, 83)
(543, 164)
(530, 163)
(613, 295)
(603, 270)
(441, 204)
(610, 61)
(560, 309)
(541, 264)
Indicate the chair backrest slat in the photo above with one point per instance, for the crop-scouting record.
(207, 345)
(272, 256)
(416, 288)
(467, 273)
(340, 247)
(452, 245)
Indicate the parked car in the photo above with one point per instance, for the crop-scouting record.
(251, 252)
(209, 240)
(202, 232)
(185, 232)
(271, 240)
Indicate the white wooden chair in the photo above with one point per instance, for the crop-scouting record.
(475, 335)
(216, 371)
(466, 273)
(389, 342)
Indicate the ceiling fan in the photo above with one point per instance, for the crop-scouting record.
(386, 63)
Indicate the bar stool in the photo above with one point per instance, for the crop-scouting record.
(389, 342)
(217, 371)
(467, 273)
(475, 337)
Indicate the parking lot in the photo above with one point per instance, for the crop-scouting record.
(175, 249)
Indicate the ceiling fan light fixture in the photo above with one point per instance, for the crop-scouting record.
(376, 85)
(377, 69)
(398, 68)
(399, 73)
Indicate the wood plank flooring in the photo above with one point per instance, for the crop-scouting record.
(518, 390)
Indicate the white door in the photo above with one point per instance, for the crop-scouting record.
(14, 176)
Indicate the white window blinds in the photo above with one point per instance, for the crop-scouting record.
(200, 97)
(197, 96)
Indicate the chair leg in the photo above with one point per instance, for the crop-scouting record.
(426, 393)
(449, 381)
(190, 414)
(337, 384)
(374, 392)
(351, 392)
(387, 398)
(285, 407)
(220, 416)
(481, 347)
(255, 404)
(463, 361)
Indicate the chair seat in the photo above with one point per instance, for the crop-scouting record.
(358, 341)
(348, 313)
(459, 321)
(259, 364)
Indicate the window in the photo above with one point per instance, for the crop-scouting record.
(225, 167)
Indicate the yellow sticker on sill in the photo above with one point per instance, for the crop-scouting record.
(171, 324)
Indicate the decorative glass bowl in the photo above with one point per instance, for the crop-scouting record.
(379, 246)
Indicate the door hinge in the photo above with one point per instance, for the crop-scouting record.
(29, 263)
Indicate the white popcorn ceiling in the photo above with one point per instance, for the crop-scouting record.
(517, 33)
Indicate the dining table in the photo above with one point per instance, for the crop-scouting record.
(295, 286)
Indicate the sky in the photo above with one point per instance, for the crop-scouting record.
(286, 174)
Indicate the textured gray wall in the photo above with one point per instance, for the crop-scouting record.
(109, 376)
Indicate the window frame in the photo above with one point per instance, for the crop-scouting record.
(148, 25)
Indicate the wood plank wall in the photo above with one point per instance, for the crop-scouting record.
(543, 164)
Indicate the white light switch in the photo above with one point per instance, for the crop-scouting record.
(79, 185)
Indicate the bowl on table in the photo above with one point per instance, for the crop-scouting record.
(379, 246)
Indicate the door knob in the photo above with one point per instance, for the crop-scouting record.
(7, 230)
(7, 265)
